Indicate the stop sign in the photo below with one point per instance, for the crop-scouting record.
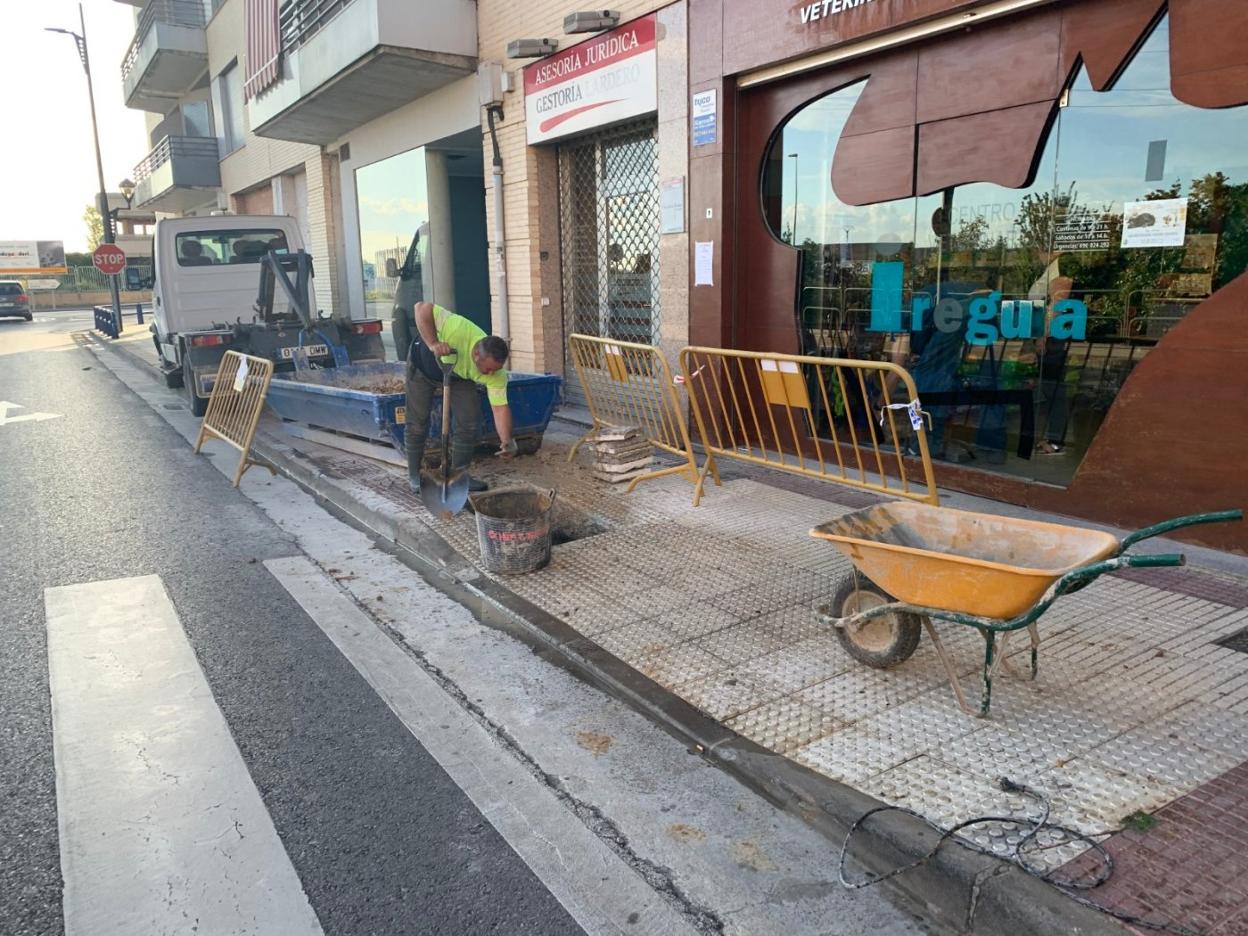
(109, 259)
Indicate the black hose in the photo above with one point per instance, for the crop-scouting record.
(1034, 827)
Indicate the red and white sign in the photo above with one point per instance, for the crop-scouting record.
(601, 81)
(109, 259)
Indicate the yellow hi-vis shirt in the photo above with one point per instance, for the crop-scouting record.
(462, 335)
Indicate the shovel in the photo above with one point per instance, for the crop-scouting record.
(444, 494)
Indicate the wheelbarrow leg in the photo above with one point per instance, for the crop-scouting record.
(950, 672)
(990, 639)
(1001, 661)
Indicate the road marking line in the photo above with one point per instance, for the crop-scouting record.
(599, 890)
(5, 418)
(162, 829)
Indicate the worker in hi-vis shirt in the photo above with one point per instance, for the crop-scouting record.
(479, 359)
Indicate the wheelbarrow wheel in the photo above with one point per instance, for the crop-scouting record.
(883, 641)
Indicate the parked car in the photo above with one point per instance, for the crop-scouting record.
(14, 300)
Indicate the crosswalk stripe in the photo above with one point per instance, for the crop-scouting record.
(600, 892)
(161, 828)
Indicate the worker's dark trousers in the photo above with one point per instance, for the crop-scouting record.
(465, 419)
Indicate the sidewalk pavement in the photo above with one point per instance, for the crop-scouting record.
(1140, 709)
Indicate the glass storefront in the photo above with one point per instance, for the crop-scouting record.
(1021, 312)
(393, 200)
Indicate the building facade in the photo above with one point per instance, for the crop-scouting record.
(1038, 208)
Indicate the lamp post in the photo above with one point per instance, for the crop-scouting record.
(106, 216)
(793, 230)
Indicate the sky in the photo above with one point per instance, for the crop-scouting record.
(47, 160)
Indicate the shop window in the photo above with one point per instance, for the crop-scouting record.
(1022, 312)
(393, 200)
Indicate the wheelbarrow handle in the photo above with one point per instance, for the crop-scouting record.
(1157, 529)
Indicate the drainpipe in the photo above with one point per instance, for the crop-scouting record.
(502, 324)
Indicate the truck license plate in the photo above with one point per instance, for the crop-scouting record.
(314, 350)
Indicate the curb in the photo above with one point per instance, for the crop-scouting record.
(958, 890)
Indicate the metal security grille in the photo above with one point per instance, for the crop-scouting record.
(609, 212)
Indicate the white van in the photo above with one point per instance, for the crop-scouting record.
(208, 299)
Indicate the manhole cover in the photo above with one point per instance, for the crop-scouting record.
(1237, 641)
(173, 406)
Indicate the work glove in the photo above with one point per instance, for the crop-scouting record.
(508, 450)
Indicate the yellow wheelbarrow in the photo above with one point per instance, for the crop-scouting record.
(916, 563)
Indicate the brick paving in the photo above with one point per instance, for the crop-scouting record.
(1188, 870)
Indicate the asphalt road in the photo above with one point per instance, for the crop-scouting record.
(381, 838)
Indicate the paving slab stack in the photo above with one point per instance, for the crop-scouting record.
(621, 454)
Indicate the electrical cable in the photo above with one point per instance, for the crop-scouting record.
(1034, 826)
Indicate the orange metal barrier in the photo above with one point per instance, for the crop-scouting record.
(235, 405)
(629, 384)
(833, 419)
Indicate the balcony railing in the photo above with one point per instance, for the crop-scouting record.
(176, 147)
(188, 13)
(300, 20)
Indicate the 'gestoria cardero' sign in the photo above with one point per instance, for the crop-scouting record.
(604, 80)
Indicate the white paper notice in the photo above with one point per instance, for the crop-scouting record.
(240, 376)
(1159, 223)
(703, 259)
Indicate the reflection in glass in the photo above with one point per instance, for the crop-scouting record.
(393, 201)
(1021, 313)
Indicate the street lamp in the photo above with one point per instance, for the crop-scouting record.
(106, 217)
(126, 187)
(793, 232)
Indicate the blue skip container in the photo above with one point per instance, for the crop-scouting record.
(331, 399)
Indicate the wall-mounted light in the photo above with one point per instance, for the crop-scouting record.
(530, 48)
(591, 21)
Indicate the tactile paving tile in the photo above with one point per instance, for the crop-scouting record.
(658, 600)
(693, 620)
(1163, 754)
(1208, 728)
(860, 691)
(725, 694)
(706, 583)
(799, 665)
(634, 641)
(850, 758)
(785, 724)
(774, 631)
(676, 667)
(1094, 799)
(1019, 753)
(944, 794)
(740, 643)
(780, 587)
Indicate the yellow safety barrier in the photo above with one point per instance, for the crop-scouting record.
(235, 405)
(629, 384)
(827, 418)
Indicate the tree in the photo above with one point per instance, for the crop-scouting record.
(95, 226)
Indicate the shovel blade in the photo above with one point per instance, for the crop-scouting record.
(444, 497)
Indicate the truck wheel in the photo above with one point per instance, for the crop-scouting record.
(881, 642)
(199, 405)
(173, 379)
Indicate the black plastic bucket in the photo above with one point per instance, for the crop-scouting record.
(513, 528)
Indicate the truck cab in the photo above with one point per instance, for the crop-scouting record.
(209, 297)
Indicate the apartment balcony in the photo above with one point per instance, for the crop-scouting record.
(168, 55)
(179, 174)
(346, 62)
